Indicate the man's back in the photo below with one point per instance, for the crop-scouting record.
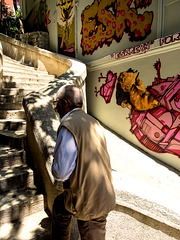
(91, 190)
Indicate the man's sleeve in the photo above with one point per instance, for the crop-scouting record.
(65, 154)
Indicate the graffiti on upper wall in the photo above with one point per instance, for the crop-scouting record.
(143, 48)
(169, 39)
(105, 21)
(40, 17)
(66, 27)
(158, 127)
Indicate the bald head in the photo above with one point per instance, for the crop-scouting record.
(72, 94)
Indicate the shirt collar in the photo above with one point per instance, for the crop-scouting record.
(67, 114)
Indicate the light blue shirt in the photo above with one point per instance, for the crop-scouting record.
(65, 154)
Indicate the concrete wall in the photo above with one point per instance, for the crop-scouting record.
(39, 58)
(144, 129)
(1, 66)
(52, 27)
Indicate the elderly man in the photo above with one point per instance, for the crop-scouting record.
(82, 163)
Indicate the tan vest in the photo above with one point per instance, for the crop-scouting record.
(91, 193)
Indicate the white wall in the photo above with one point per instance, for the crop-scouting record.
(52, 27)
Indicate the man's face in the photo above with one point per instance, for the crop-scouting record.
(61, 107)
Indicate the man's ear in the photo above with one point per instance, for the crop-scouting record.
(64, 102)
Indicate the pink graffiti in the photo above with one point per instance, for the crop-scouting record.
(106, 90)
(159, 129)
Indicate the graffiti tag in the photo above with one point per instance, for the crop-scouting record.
(133, 50)
(169, 39)
(105, 21)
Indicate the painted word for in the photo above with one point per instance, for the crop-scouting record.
(105, 21)
(169, 39)
(133, 50)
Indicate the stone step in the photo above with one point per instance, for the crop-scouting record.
(12, 114)
(11, 156)
(16, 91)
(36, 226)
(23, 85)
(10, 61)
(28, 79)
(23, 74)
(15, 139)
(11, 98)
(16, 205)
(16, 64)
(16, 178)
(12, 124)
(11, 67)
(11, 106)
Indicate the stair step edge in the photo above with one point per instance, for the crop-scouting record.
(17, 205)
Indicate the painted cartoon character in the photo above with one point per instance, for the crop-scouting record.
(133, 93)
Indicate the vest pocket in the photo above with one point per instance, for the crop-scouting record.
(70, 202)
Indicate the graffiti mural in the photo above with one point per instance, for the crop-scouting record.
(159, 129)
(105, 21)
(66, 27)
(136, 95)
(155, 120)
(40, 17)
(106, 90)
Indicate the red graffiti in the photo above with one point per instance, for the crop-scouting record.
(105, 21)
(158, 129)
(143, 48)
(142, 3)
(169, 39)
(106, 90)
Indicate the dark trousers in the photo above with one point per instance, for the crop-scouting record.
(61, 224)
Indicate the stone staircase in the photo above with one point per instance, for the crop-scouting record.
(19, 198)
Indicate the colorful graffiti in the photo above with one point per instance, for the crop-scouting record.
(105, 21)
(157, 128)
(139, 98)
(66, 26)
(66, 8)
(106, 90)
(143, 48)
(40, 17)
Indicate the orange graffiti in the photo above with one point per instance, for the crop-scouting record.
(104, 21)
(140, 98)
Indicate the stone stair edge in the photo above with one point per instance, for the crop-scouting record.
(10, 61)
(30, 75)
(21, 203)
(9, 71)
(21, 66)
(13, 133)
(33, 227)
(17, 177)
(7, 78)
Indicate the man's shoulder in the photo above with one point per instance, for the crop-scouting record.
(80, 117)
